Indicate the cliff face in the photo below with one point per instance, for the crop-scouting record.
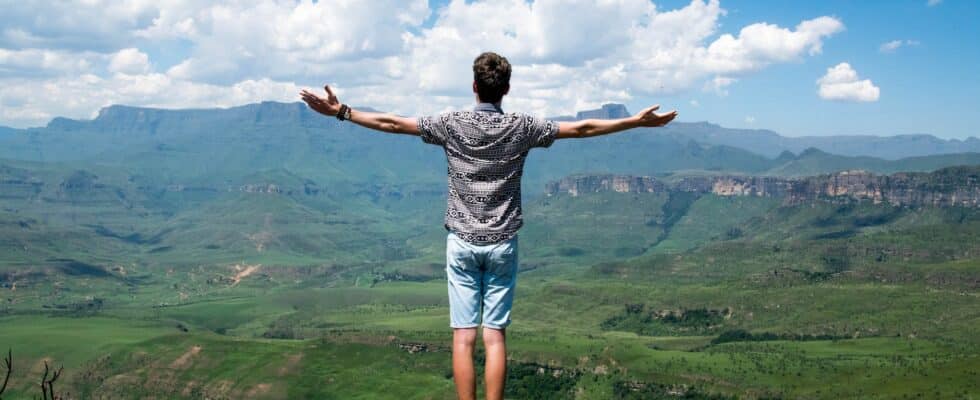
(957, 186)
(605, 183)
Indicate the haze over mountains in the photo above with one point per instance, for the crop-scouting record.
(210, 146)
(771, 144)
(154, 179)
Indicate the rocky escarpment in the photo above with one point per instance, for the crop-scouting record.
(955, 186)
(579, 184)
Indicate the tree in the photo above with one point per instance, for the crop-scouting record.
(8, 364)
(47, 385)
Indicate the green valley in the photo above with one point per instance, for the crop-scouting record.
(262, 252)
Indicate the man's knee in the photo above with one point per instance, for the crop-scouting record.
(493, 336)
(464, 336)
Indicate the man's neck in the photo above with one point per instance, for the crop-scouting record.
(488, 107)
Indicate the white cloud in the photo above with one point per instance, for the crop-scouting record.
(284, 40)
(84, 95)
(32, 63)
(841, 83)
(129, 61)
(931, 3)
(893, 45)
(749, 119)
(566, 54)
(694, 103)
(719, 85)
(97, 25)
(664, 53)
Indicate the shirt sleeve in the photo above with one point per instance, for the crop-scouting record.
(542, 132)
(432, 129)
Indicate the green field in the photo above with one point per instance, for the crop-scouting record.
(263, 252)
(620, 296)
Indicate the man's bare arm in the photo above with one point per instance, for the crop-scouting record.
(385, 122)
(330, 106)
(595, 127)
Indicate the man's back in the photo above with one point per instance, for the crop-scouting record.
(486, 149)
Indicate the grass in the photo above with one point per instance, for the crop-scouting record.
(322, 317)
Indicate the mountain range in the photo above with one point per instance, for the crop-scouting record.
(771, 144)
(215, 147)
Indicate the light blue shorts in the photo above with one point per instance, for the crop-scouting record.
(480, 276)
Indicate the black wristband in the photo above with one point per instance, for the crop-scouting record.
(344, 112)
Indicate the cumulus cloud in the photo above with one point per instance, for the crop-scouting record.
(841, 83)
(284, 40)
(665, 52)
(567, 55)
(96, 25)
(34, 63)
(84, 95)
(129, 61)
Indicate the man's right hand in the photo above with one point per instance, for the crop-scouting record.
(329, 105)
(595, 127)
(649, 118)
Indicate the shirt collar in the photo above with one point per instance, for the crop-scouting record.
(488, 107)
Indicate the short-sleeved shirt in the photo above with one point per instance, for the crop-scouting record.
(486, 149)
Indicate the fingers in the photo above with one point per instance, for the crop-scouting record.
(309, 97)
(653, 108)
(329, 92)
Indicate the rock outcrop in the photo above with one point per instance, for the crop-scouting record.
(605, 183)
(955, 186)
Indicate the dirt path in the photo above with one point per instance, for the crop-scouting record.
(243, 271)
(185, 358)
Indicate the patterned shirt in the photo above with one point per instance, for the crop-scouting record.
(486, 149)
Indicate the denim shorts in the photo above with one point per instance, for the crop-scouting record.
(481, 278)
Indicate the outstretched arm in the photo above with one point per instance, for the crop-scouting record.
(595, 127)
(330, 106)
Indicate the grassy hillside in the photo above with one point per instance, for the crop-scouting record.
(621, 296)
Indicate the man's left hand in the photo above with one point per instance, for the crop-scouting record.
(649, 118)
(329, 105)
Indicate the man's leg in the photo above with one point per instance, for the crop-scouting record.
(464, 339)
(463, 277)
(494, 340)
(498, 297)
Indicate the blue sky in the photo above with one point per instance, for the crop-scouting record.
(930, 87)
(799, 68)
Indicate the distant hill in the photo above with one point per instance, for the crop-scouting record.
(217, 146)
(221, 148)
(771, 144)
(954, 186)
(4, 131)
(813, 161)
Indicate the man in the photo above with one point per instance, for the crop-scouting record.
(486, 149)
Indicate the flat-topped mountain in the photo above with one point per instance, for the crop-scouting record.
(606, 111)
